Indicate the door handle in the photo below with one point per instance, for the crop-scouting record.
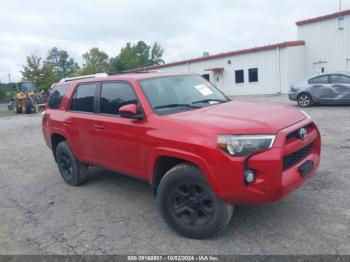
(67, 122)
(99, 127)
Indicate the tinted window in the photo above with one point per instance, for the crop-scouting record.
(56, 96)
(253, 75)
(319, 80)
(83, 99)
(239, 76)
(114, 96)
(340, 79)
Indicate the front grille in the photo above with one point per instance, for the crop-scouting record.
(294, 134)
(293, 158)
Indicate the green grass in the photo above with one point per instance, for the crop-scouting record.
(4, 113)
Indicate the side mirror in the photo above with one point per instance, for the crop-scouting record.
(130, 111)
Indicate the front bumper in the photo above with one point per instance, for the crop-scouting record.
(293, 96)
(273, 181)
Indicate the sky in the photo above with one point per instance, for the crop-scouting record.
(184, 28)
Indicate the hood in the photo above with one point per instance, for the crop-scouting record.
(243, 117)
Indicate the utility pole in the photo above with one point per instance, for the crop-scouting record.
(9, 77)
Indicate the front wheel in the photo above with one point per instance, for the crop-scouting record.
(188, 205)
(16, 106)
(304, 100)
(27, 106)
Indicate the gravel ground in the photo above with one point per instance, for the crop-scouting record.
(115, 214)
(3, 106)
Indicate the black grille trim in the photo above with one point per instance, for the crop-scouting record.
(294, 158)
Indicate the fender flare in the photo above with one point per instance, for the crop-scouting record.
(63, 134)
(186, 156)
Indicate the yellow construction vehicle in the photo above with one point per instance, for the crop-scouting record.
(27, 99)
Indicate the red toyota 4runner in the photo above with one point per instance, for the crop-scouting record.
(201, 152)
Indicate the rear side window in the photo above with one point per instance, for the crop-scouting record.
(83, 99)
(114, 96)
(319, 80)
(56, 96)
(340, 79)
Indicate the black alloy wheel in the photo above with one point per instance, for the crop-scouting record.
(73, 171)
(192, 204)
(189, 206)
(66, 166)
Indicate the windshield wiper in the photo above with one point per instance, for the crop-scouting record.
(209, 100)
(176, 105)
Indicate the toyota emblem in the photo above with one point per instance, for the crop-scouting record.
(302, 133)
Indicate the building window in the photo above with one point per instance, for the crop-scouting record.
(239, 76)
(253, 75)
(206, 76)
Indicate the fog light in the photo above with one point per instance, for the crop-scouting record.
(249, 176)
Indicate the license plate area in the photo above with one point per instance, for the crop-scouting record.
(306, 167)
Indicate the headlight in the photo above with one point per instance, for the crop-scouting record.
(243, 145)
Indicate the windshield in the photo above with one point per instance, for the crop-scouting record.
(171, 94)
(27, 87)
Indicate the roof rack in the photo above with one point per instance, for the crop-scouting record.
(83, 77)
(133, 71)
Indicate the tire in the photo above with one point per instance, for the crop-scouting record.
(27, 107)
(304, 100)
(188, 205)
(72, 170)
(16, 107)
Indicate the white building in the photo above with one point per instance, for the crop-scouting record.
(323, 45)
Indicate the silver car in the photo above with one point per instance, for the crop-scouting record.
(330, 88)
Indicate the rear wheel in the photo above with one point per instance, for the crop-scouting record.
(73, 171)
(188, 205)
(304, 100)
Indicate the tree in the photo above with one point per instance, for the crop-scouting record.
(31, 71)
(35, 70)
(156, 55)
(2, 92)
(63, 65)
(137, 56)
(96, 61)
(142, 51)
(116, 65)
(128, 58)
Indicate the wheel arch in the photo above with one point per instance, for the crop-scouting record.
(56, 138)
(164, 160)
(304, 93)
